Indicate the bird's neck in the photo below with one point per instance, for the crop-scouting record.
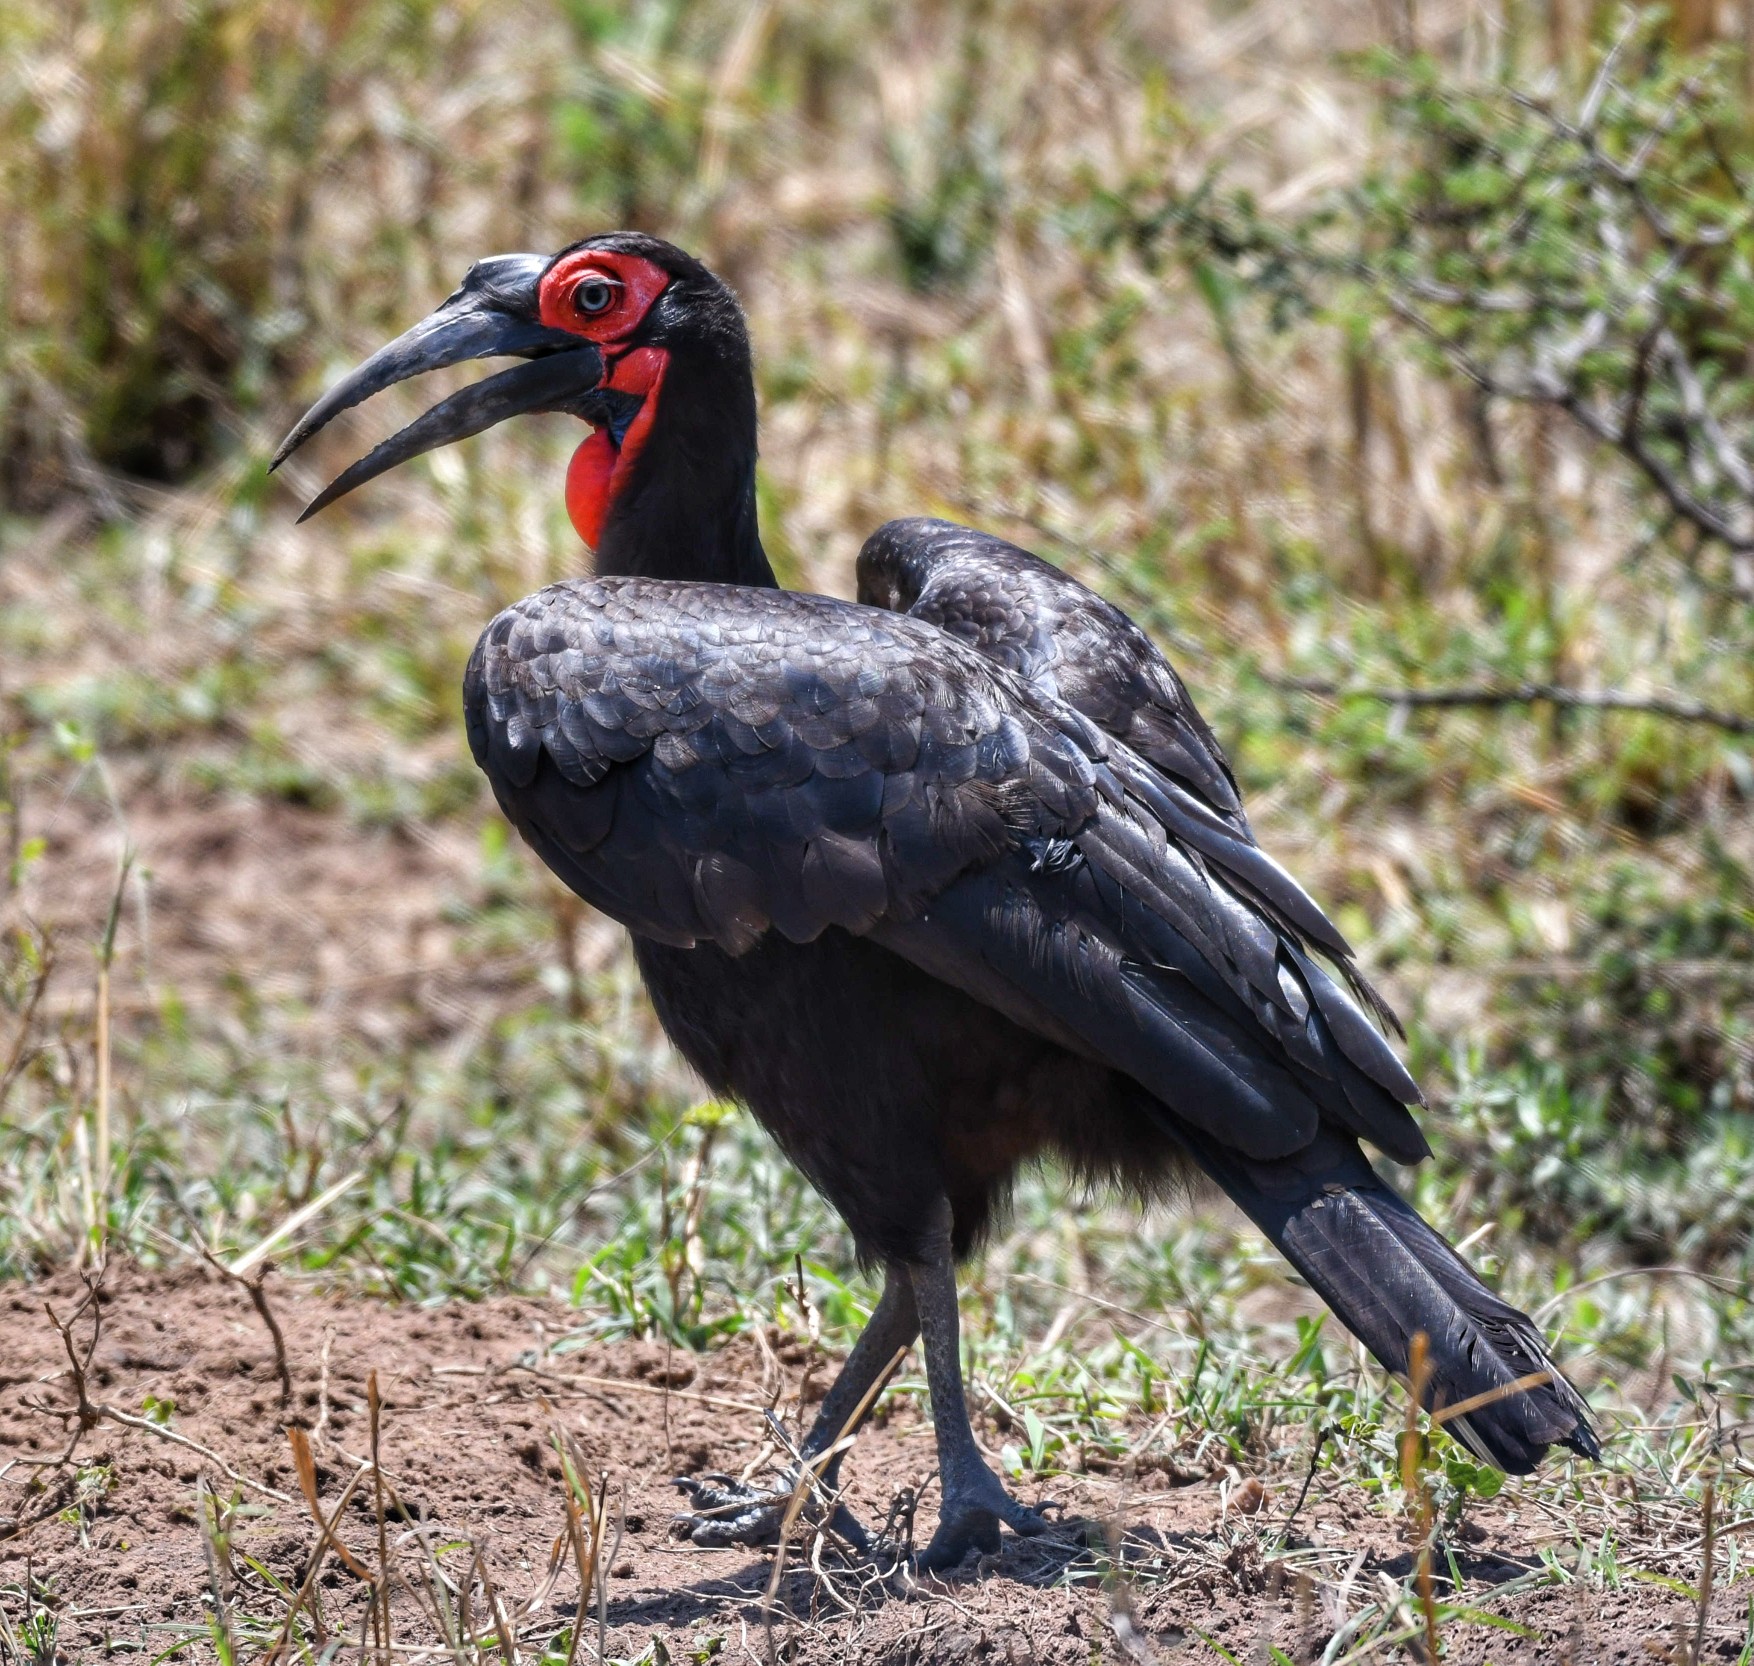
(684, 507)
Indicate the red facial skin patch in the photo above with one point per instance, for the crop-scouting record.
(600, 468)
(634, 284)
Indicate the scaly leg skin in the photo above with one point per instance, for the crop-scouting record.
(974, 1502)
(727, 1512)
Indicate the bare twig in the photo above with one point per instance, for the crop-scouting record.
(294, 1221)
(606, 1561)
(809, 1480)
(585, 1564)
(1526, 694)
(594, 1562)
(1729, 1286)
(101, 1107)
(1308, 1478)
(1413, 1483)
(85, 1413)
(19, 1054)
(1709, 1544)
(381, 1586)
(503, 1626)
(253, 1288)
(323, 1383)
(160, 1432)
(207, 1509)
(326, 1540)
(1542, 387)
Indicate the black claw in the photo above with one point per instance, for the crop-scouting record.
(712, 1480)
(1020, 1518)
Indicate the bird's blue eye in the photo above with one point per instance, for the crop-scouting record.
(593, 295)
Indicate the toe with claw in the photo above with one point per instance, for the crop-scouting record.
(970, 1518)
(725, 1511)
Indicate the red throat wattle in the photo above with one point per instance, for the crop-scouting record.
(600, 468)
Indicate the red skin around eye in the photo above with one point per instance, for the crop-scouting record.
(600, 469)
(636, 285)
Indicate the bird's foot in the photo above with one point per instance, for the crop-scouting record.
(974, 1508)
(725, 1511)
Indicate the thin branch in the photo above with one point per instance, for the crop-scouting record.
(1527, 694)
(253, 1288)
(1639, 386)
(20, 1054)
(1543, 389)
(298, 1218)
(86, 1413)
(160, 1432)
(1706, 517)
(809, 1479)
(1699, 411)
(1315, 1457)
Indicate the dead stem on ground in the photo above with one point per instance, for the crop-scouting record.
(253, 1287)
(470, 1613)
(1414, 1485)
(808, 1485)
(85, 1413)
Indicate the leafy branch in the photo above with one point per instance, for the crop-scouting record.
(1594, 257)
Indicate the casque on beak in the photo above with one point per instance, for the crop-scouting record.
(494, 313)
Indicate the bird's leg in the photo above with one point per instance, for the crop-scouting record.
(973, 1501)
(727, 1512)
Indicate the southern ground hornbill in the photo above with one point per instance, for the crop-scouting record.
(936, 884)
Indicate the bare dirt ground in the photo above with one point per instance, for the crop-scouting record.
(120, 1542)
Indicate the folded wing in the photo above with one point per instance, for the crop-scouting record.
(1059, 635)
(1075, 646)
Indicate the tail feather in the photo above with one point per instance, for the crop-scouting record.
(1389, 1276)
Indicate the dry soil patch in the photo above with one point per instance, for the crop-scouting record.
(471, 1394)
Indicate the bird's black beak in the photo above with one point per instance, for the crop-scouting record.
(495, 312)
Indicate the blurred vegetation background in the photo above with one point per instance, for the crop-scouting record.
(1390, 363)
